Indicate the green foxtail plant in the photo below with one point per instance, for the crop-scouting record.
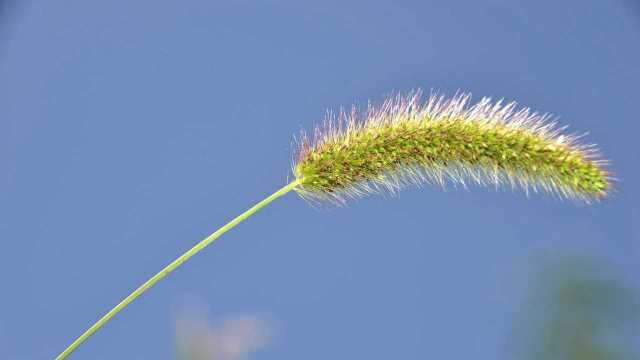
(407, 141)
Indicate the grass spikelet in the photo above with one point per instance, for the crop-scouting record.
(406, 141)
(409, 141)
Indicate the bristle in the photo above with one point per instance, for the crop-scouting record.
(407, 141)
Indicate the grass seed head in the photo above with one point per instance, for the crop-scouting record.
(406, 140)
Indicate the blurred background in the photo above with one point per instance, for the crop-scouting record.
(129, 130)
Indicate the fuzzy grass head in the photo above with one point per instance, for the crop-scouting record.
(409, 141)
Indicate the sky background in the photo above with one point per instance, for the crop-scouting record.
(129, 130)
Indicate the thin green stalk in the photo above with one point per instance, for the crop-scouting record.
(174, 265)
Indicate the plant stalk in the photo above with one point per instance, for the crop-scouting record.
(172, 266)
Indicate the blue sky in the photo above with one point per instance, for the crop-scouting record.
(129, 130)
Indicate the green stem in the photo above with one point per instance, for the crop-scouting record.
(174, 265)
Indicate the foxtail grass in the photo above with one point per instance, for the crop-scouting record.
(407, 141)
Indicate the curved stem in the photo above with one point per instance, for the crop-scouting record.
(172, 266)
